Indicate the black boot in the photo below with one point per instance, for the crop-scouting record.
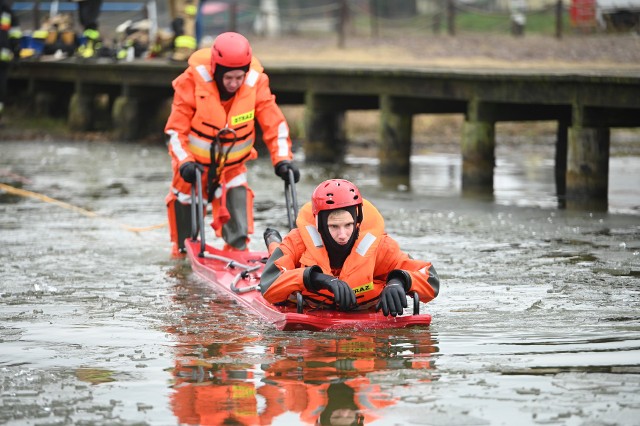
(183, 220)
(271, 236)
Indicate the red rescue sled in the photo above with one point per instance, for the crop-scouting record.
(238, 274)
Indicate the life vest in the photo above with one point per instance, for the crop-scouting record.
(198, 115)
(358, 268)
(210, 117)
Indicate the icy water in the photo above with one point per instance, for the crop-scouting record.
(537, 323)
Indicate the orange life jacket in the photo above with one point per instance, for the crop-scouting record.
(197, 115)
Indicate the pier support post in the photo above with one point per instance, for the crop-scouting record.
(125, 115)
(53, 100)
(394, 151)
(44, 104)
(81, 113)
(561, 162)
(478, 148)
(325, 136)
(135, 114)
(587, 180)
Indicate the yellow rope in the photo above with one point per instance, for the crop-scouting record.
(46, 199)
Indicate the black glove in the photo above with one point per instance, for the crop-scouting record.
(188, 171)
(393, 298)
(343, 295)
(282, 170)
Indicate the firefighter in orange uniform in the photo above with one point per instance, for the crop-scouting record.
(339, 256)
(211, 128)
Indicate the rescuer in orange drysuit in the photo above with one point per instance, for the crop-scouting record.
(211, 128)
(339, 255)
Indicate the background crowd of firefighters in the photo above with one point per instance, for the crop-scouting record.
(56, 33)
(56, 37)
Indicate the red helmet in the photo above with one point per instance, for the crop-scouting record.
(334, 194)
(231, 50)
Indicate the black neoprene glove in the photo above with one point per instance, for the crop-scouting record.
(188, 171)
(343, 295)
(282, 170)
(394, 295)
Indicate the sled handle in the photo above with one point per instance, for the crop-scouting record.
(416, 302)
(291, 199)
(194, 214)
(197, 207)
(243, 276)
(299, 302)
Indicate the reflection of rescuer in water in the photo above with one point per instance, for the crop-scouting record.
(340, 256)
(206, 389)
(231, 397)
(327, 382)
(341, 408)
(232, 403)
(206, 394)
(341, 402)
(323, 381)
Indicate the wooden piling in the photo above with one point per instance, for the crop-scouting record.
(325, 135)
(394, 150)
(81, 115)
(587, 179)
(478, 148)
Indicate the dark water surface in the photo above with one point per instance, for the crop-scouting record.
(538, 320)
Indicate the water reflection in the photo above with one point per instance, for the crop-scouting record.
(538, 321)
(330, 380)
(227, 374)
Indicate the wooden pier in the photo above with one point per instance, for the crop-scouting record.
(585, 104)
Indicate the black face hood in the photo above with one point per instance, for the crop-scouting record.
(337, 253)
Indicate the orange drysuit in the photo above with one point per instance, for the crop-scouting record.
(197, 117)
(373, 257)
